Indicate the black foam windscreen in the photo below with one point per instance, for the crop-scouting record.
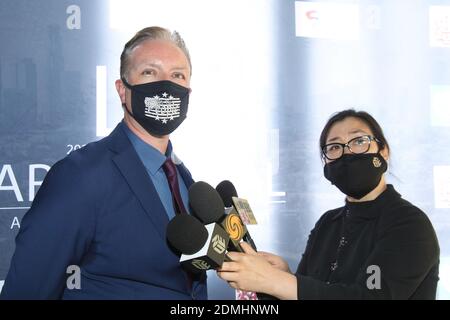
(226, 191)
(186, 234)
(206, 203)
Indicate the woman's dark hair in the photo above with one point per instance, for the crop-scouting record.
(361, 115)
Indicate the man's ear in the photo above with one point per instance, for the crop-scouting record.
(121, 89)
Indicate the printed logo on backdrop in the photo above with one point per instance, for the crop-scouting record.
(20, 197)
(439, 105)
(441, 178)
(327, 20)
(439, 17)
(372, 17)
(7, 173)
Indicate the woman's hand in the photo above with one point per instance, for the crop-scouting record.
(275, 261)
(251, 271)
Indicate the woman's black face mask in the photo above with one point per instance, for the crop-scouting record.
(356, 174)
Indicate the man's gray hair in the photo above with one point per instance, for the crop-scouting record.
(150, 33)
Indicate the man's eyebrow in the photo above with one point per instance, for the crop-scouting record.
(180, 68)
(158, 66)
(149, 64)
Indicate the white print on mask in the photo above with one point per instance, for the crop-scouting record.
(162, 108)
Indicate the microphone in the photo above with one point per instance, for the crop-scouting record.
(227, 192)
(202, 247)
(208, 207)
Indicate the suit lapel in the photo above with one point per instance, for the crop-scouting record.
(134, 172)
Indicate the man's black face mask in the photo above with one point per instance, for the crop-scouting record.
(159, 107)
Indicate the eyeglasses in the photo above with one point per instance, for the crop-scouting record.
(358, 145)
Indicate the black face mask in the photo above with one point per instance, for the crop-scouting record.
(356, 174)
(159, 107)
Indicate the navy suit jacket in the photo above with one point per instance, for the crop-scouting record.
(98, 209)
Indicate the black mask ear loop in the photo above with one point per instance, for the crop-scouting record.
(129, 86)
(124, 105)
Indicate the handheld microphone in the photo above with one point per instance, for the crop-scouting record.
(233, 204)
(227, 192)
(202, 247)
(208, 207)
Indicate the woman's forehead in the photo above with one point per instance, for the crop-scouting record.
(348, 126)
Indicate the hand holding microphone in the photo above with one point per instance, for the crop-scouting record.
(241, 208)
(229, 196)
(249, 271)
(204, 247)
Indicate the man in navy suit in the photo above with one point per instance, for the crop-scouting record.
(96, 229)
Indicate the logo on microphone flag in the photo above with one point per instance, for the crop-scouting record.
(200, 264)
(244, 210)
(211, 255)
(219, 244)
(234, 227)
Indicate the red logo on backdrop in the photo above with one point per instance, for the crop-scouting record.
(312, 15)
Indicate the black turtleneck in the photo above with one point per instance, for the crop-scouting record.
(349, 245)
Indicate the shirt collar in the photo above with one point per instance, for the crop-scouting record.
(369, 209)
(150, 156)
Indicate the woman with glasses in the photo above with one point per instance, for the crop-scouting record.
(377, 246)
